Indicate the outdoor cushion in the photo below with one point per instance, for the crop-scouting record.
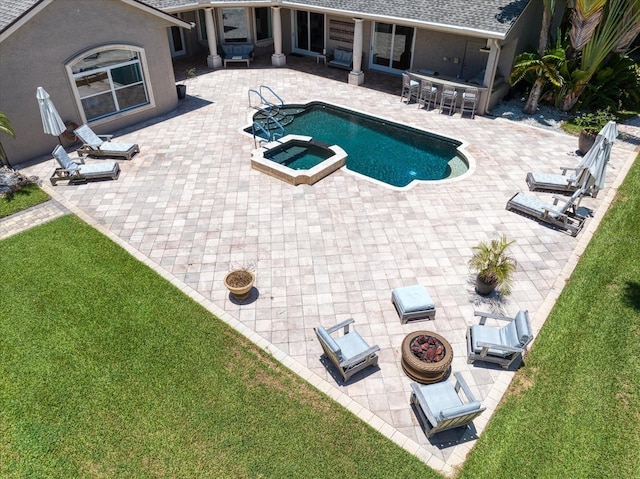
(484, 334)
(509, 335)
(413, 298)
(328, 340)
(459, 410)
(552, 178)
(438, 396)
(522, 327)
(351, 344)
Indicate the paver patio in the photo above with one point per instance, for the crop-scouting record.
(190, 206)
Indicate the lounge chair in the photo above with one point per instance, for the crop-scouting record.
(502, 345)
(561, 215)
(440, 407)
(349, 353)
(75, 172)
(559, 183)
(102, 146)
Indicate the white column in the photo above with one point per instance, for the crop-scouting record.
(278, 59)
(489, 76)
(356, 77)
(213, 60)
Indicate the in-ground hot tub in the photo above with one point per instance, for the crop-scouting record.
(298, 159)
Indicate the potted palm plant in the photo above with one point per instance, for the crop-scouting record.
(494, 266)
(239, 282)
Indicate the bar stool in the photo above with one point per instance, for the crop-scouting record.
(428, 92)
(448, 99)
(469, 101)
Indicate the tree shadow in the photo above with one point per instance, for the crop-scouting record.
(631, 294)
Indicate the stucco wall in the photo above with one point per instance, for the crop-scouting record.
(36, 53)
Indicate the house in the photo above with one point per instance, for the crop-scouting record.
(104, 63)
(135, 41)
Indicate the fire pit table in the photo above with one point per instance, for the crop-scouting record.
(426, 356)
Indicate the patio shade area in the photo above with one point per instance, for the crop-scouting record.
(190, 205)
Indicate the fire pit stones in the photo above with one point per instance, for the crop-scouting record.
(426, 356)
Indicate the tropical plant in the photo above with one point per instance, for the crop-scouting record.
(549, 9)
(592, 122)
(493, 264)
(616, 85)
(7, 129)
(546, 70)
(598, 27)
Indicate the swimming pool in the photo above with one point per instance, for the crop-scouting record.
(389, 152)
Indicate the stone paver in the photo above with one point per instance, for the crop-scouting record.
(190, 206)
(35, 215)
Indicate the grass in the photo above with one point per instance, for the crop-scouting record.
(107, 370)
(26, 197)
(573, 411)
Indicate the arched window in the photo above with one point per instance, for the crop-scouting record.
(109, 80)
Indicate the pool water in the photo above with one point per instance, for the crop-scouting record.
(298, 155)
(389, 152)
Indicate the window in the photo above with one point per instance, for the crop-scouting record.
(234, 25)
(109, 81)
(263, 23)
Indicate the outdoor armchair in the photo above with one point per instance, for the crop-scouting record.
(348, 352)
(102, 146)
(501, 345)
(440, 406)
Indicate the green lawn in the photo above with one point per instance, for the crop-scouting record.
(107, 370)
(573, 411)
(25, 197)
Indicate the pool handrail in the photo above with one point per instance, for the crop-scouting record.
(266, 87)
(270, 136)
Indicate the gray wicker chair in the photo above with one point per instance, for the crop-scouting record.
(501, 345)
(440, 406)
(349, 352)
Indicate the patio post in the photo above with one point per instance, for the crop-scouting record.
(213, 60)
(278, 59)
(356, 77)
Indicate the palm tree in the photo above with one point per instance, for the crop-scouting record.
(547, 17)
(5, 127)
(618, 23)
(545, 68)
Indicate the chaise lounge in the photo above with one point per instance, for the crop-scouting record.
(561, 215)
(558, 183)
(102, 146)
(74, 172)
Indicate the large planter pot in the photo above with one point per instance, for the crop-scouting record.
(483, 288)
(239, 283)
(585, 142)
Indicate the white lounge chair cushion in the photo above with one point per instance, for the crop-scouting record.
(328, 340)
(533, 203)
(552, 179)
(98, 169)
(460, 410)
(486, 334)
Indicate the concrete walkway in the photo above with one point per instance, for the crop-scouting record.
(190, 206)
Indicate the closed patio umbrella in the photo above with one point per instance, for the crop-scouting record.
(51, 121)
(597, 157)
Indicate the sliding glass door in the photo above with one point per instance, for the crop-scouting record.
(309, 28)
(392, 47)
